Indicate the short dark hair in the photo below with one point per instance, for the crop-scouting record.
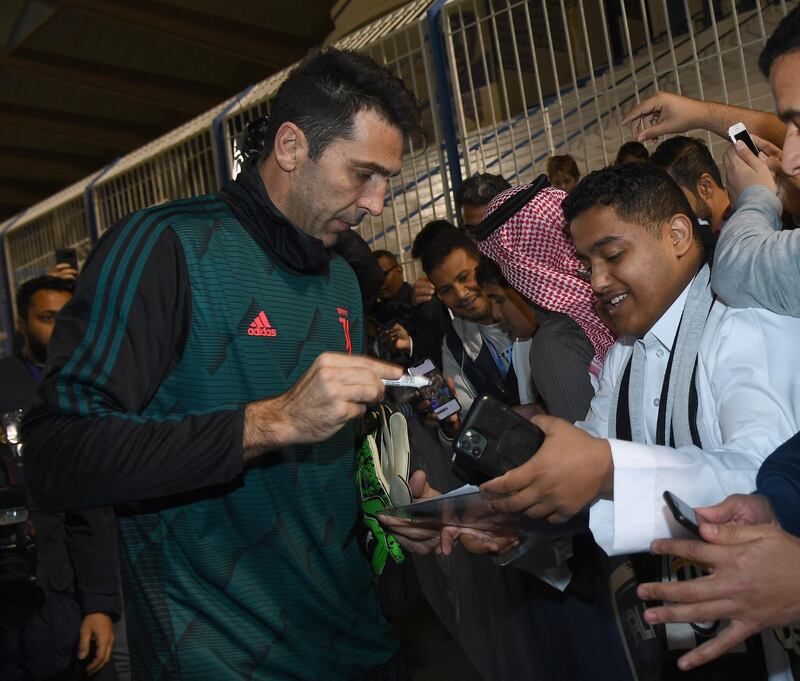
(323, 94)
(640, 193)
(481, 188)
(33, 286)
(386, 254)
(489, 273)
(562, 164)
(785, 39)
(437, 240)
(686, 159)
(432, 230)
(635, 149)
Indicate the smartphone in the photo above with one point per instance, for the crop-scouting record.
(682, 512)
(738, 133)
(68, 256)
(443, 402)
(493, 439)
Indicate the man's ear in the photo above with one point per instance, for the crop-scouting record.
(705, 186)
(290, 147)
(681, 234)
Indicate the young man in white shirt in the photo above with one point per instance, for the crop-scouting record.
(751, 541)
(693, 396)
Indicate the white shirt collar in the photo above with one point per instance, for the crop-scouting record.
(666, 327)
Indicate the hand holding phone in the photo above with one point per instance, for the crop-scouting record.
(493, 439)
(67, 256)
(683, 513)
(738, 133)
(442, 401)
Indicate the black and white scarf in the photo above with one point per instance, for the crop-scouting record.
(654, 650)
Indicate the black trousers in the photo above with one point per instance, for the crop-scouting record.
(393, 670)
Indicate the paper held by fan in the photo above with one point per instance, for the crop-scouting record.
(467, 506)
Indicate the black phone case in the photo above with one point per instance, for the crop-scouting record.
(512, 440)
(678, 515)
(68, 256)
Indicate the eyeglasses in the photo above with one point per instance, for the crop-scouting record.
(386, 273)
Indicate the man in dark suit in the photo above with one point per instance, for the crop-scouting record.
(76, 565)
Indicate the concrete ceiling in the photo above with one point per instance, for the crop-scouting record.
(83, 82)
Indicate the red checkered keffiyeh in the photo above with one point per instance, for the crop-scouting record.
(536, 254)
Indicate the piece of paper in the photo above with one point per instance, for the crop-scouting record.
(467, 506)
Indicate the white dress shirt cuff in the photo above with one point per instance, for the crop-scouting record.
(628, 523)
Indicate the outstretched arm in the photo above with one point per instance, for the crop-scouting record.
(665, 113)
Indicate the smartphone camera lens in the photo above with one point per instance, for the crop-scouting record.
(472, 443)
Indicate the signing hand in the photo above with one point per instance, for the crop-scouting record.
(570, 471)
(335, 389)
(96, 627)
(753, 584)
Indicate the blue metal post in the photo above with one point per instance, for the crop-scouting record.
(88, 202)
(447, 117)
(223, 173)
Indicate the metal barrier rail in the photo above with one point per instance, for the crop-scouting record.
(180, 164)
(30, 239)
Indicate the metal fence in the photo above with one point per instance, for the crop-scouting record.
(503, 84)
(178, 165)
(541, 77)
(30, 242)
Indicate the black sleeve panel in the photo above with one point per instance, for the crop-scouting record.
(113, 344)
(91, 537)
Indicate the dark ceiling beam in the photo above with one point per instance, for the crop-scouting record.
(33, 15)
(102, 132)
(245, 41)
(162, 91)
(26, 192)
(19, 162)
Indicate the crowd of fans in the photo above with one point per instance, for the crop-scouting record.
(662, 243)
(642, 316)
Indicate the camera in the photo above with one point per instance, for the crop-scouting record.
(20, 595)
(472, 443)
